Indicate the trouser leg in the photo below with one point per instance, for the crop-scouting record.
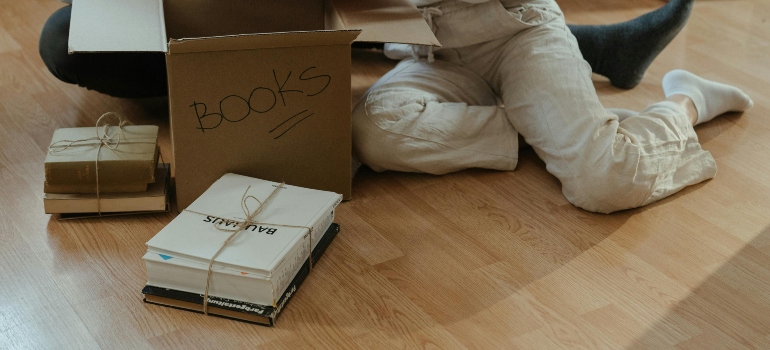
(434, 118)
(120, 74)
(604, 165)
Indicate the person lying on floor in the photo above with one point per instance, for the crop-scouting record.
(439, 113)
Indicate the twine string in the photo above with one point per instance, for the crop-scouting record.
(250, 216)
(427, 14)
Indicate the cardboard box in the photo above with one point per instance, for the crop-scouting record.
(259, 88)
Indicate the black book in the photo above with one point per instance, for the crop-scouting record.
(234, 309)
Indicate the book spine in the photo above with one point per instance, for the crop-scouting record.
(288, 267)
(223, 303)
(304, 271)
(90, 188)
(111, 173)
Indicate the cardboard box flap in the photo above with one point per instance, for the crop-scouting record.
(258, 41)
(207, 18)
(395, 21)
(108, 25)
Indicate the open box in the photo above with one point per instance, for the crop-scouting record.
(256, 87)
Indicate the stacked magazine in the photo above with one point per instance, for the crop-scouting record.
(263, 237)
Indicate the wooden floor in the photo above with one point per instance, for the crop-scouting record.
(476, 259)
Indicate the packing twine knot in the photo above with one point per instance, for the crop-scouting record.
(102, 138)
(250, 216)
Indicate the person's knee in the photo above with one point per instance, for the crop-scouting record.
(380, 133)
(53, 46)
(606, 191)
(371, 144)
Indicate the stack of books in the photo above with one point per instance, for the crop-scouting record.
(124, 160)
(263, 238)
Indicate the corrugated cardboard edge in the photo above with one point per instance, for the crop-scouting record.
(262, 41)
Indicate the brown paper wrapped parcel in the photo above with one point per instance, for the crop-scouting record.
(126, 162)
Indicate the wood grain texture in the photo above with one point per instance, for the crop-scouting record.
(471, 260)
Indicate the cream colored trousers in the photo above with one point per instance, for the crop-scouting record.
(508, 68)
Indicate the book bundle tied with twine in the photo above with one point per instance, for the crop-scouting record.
(243, 239)
(91, 169)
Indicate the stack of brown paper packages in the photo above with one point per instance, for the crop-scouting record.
(105, 170)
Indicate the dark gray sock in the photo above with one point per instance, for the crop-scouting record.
(623, 51)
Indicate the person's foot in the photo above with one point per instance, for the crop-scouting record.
(623, 51)
(709, 97)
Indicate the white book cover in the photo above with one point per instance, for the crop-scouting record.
(198, 232)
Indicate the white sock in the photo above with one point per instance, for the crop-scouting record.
(396, 51)
(710, 98)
